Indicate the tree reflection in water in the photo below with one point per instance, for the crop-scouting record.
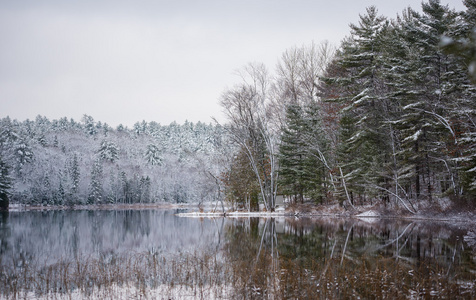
(101, 254)
(348, 259)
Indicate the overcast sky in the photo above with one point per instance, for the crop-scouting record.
(127, 61)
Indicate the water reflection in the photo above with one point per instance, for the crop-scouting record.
(4, 232)
(332, 258)
(245, 258)
(53, 235)
(348, 238)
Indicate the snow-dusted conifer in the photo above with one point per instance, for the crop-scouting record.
(153, 155)
(95, 185)
(364, 139)
(293, 154)
(423, 88)
(75, 174)
(5, 185)
(108, 151)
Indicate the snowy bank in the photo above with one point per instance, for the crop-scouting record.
(369, 214)
(237, 214)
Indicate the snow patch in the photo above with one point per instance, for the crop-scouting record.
(236, 214)
(414, 137)
(368, 214)
(470, 238)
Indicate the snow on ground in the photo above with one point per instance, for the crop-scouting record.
(236, 214)
(368, 214)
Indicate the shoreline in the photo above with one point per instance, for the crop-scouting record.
(465, 219)
(121, 206)
(360, 213)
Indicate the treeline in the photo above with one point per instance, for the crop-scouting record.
(387, 117)
(390, 116)
(64, 162)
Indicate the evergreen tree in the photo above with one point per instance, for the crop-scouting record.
(125, 187)
(108, 151)
(89, 125)
(144, 188)
(303, 165)
(364, 138)
(23, 154)
(153, 155)
(75, 174)
(5, 185)
(46, 192)
(319, 162)
(462, 44)
(60, 196)
(95, 186)
(241, 185)
(423, 83)
(292, 152)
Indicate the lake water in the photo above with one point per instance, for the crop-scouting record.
(53, 235)
(252, 258)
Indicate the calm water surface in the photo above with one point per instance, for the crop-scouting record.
(274, 258)
(54, 235)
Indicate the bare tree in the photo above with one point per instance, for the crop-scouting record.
(247, 107)
(297, 76)
(256, 108)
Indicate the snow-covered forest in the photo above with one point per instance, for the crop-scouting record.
(387, 117)
(64, 162)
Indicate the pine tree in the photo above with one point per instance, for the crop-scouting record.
(303, 164)
(5, 185)
(364, 148)
(125, 188)
(153, 155)
(23, 154)
(75, 174)
(422, 80)
(319, 163)
(46, 191)
(463, 41)
(108, 151)
(60, 196)
(292, 152)
(144, 187)
(89, 125)
(463, 46)
(241, 184)
(95, 186)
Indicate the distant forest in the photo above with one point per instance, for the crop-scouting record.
(64, 162)
(387, 117)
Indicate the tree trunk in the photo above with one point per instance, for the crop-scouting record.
(417, 173)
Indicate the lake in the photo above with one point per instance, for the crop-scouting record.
(123, 254)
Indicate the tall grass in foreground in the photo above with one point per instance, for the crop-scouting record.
(206, 275)
(135, 275)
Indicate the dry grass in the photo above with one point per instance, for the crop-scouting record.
(211, 275)
(142, 274)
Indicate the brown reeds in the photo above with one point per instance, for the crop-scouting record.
(205, 275)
